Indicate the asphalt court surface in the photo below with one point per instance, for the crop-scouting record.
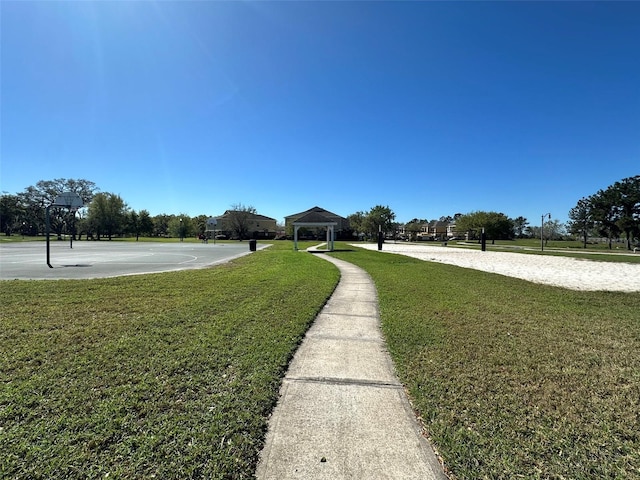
(89, 259)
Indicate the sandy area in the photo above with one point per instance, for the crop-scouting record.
(573, 273)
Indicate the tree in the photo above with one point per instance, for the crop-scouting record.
(11, 213)
(37, 197)
(181, 226)
(139, 223)
(239, 218)
(133, 224)
(414, 227)
(497, 226)
(161, 225)
(357, 222)
(379, 217)
(605, 214)
(627, 195)
(610, 212)
(200, 224)
(519, 226)
(395, 229)
(107, 215)
(553, 230)
(145, 223)
(580, 220)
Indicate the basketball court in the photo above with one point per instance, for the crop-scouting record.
(101, 259)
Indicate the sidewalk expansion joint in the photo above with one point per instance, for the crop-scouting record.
(346, 381)
(341, 314)
(346, 338)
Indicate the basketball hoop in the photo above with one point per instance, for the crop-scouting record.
(70, 200)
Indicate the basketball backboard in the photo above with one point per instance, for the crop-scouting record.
(211, 224)
(68, 200)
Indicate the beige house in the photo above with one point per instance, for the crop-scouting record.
(451, 230)
(437, 230)
(251, 225)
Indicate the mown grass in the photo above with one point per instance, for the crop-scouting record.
(168, 376)
(513, 379)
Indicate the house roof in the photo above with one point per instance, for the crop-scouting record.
(255, 216)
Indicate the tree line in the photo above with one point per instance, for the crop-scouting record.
(107, 214)
(610, 213)
(497, 226)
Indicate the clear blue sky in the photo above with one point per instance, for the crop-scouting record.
(431, 108)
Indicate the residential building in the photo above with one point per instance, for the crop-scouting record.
(436, 230)
(451, 230)
(253, 225)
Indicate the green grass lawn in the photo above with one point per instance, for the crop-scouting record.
(174, 375)
(513, 379)
(170, 376)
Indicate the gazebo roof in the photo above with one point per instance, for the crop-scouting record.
(319, 210)
(314, 219)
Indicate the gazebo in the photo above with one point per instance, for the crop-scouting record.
(314, 220)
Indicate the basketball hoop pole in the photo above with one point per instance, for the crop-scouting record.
(73, 221)
(48, 227)
(68, 200)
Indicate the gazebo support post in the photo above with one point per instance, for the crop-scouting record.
(314, 223)
(331, 235)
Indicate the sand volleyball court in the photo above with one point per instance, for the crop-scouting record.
(567, 272)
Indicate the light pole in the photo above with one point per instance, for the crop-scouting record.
(181, 232)
(542, 231)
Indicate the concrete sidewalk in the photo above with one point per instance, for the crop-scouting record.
(342, 411)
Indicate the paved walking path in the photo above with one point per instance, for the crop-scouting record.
(342, 411)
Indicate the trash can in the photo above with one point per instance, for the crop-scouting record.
(252, 245)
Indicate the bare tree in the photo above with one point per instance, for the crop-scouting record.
(238, 218)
